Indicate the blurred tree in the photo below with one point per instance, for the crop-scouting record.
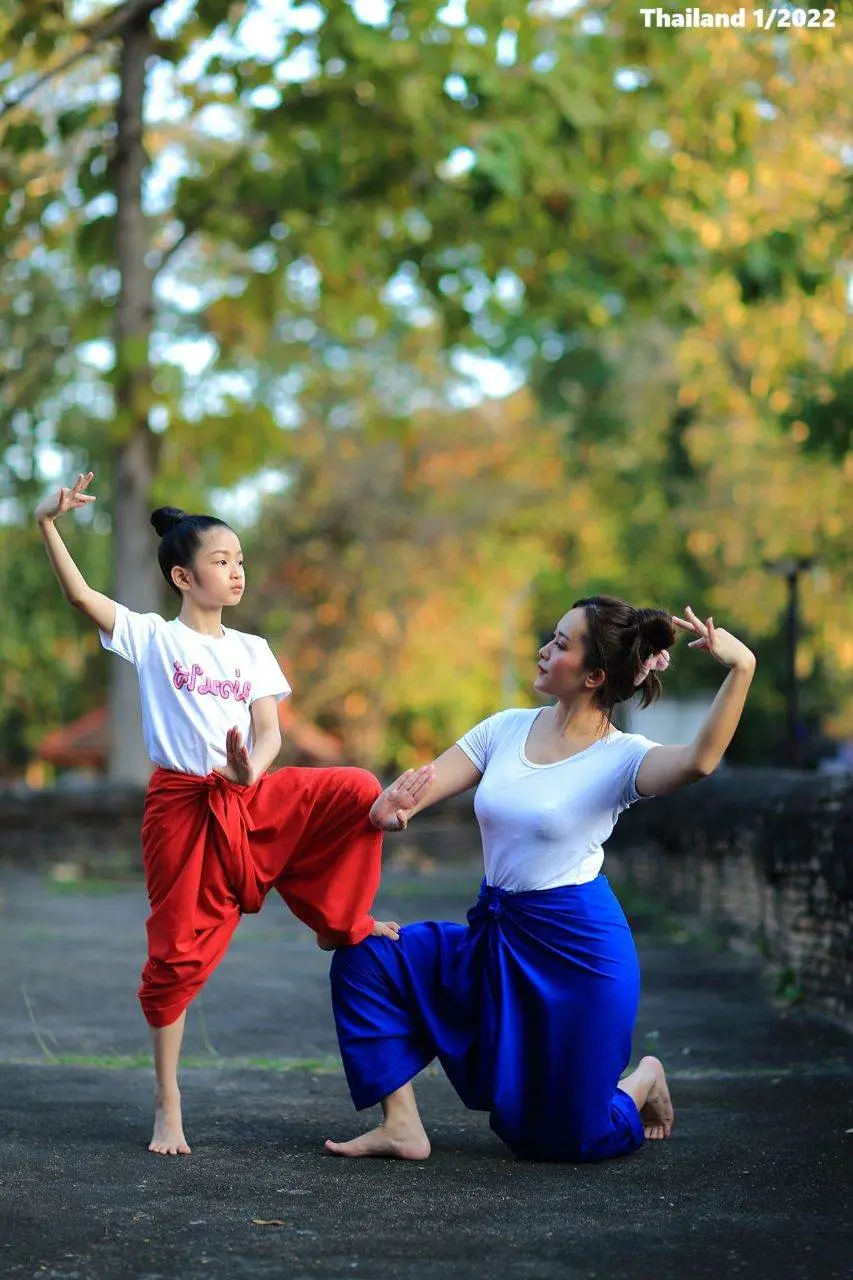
(653, 231)
(392, 573)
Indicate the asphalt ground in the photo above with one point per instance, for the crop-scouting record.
(756, 1180)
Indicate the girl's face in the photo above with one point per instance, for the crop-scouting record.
(561, 672)
(217, 577)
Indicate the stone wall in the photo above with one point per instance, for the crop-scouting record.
(767, 853)
(90, 825)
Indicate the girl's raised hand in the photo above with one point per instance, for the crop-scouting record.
(391, 810)
(721, 644)
(56, 504)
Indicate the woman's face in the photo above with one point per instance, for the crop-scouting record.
(561, 673)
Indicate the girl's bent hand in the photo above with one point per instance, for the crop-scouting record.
(392, 809)
(721, 644)
(238, 766)
(56, 504)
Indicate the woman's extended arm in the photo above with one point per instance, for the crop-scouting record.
(667, 769)
(416, 789)
(99, 608)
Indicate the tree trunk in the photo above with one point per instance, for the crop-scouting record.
(135, 572)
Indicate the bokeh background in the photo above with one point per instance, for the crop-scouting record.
(457, 312)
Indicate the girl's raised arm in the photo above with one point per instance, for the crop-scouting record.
(99, 608)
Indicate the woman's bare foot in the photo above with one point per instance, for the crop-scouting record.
(647, 1086)
(168, 1138)
(399, 1142)
(381, 929)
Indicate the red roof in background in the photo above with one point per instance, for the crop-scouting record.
(83, 743)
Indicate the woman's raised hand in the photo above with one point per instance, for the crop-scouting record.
(56, 504)
(392, 809)
(721, 644)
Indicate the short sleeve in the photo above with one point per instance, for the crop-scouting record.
(479, 743)
(634, 750)
(131, 634)
(268, 679)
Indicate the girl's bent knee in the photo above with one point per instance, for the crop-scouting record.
(363, 784)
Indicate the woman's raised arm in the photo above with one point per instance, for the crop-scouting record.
(667, 769)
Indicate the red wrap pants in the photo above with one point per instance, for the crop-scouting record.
(212, 851)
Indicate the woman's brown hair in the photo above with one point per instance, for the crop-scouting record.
(619, 640)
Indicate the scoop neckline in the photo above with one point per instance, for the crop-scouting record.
(552, 764)
(202, 635)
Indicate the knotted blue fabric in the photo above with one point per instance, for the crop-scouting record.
(529, 1009)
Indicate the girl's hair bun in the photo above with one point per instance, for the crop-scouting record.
(165, 518)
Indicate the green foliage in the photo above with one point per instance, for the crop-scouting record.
(647, 231)
(50, 669)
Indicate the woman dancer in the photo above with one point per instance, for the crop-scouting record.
(531, 1007)
(218, 832)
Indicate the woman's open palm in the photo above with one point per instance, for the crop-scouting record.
(392, 809)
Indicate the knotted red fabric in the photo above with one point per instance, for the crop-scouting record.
(212, 851)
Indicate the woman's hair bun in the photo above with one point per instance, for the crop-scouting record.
(656, 629)
(165, 518)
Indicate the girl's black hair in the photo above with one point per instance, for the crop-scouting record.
(180, 538)
(619, 639)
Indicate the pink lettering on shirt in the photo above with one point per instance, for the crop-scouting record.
(189, 680)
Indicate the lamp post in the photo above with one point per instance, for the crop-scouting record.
(791, 570)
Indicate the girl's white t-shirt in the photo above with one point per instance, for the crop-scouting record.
(543, 825)
(194, 688)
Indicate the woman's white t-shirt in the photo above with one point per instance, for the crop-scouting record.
(194, 688)
(543, 825)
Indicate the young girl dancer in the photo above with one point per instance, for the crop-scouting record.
(219, 832)
(531, 1007)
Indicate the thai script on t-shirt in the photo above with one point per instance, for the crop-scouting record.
(194, 680)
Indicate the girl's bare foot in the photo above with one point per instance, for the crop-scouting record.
(385, 929)
(395, 1142)
(381, 929)
(647, 1086)
(168, 1138)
